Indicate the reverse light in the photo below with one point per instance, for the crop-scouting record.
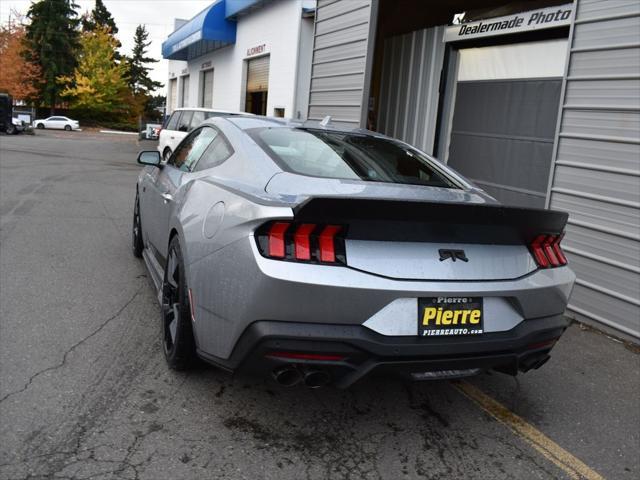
(547, 252)
(302, 242)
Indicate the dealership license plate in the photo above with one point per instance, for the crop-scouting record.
(445, 316)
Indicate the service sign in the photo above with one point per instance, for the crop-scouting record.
(550, 17)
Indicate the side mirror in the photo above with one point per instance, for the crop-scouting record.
(149, 157)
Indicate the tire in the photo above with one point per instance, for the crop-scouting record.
(11, 129)
(166, 155)
(40, 126)
(67, 128)
(178, 343)
(136, 230)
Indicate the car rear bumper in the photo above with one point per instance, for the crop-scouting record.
(267, 347)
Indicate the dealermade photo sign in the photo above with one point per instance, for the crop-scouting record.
(557, 16)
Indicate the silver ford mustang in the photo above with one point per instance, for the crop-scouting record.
(315, 255)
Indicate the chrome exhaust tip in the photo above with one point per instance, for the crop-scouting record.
(287, 376)
(316, 378)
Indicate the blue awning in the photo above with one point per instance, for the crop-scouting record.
(207, 31)
(235, 8)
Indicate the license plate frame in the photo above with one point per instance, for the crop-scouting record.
(434, 321)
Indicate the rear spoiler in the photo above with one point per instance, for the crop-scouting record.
(478, 223)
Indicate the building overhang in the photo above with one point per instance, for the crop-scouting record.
(207, 31)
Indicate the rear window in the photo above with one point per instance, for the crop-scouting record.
(319, 153)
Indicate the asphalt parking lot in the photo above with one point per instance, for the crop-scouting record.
(84, 391)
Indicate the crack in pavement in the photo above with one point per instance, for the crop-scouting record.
(71, 349)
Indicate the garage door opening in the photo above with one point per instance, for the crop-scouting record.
(504, 118)
(173, 95)
(257, 85)
(206, 92)
(184, 93)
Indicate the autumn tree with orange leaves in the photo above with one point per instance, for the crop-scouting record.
(18, 77)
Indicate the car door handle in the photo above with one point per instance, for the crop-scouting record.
(167, 197)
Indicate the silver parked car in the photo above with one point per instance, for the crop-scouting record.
(318, 255)
(57, 122)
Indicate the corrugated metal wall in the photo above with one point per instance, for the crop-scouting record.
(340, 60)
(596, 176)
(409, 91)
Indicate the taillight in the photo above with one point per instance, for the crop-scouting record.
(276, 239)
(327, 243)
(302, 242)
(547, 252)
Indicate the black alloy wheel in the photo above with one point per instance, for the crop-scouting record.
(177, 332)
(166, 155)
(40, 126)
(136, 230)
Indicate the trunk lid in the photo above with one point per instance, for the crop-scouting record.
(434, 240)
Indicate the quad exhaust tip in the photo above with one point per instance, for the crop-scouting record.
(290, 375)
(287, 376)
(316, 378)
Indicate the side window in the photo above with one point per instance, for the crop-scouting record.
(197, 119)
(219, 150)
(192, 147)
(185, 121)
(172, 124)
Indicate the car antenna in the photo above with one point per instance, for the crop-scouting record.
(325, 121)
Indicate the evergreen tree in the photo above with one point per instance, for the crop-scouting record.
(139, 80)
(51, 42)
(99, 17)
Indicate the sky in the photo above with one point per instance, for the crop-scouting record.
(157, 15)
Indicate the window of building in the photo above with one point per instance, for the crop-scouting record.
(184, 93)
(257, 85)
(278, 112)
(206, 92)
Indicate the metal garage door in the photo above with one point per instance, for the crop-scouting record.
(257, 85)
(173, 95)
(206, 96)
(409, 91)
(505, 117)
(341, 58)
(597, 164)
(258, 74)
(184, 94)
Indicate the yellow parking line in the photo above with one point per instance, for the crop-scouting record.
(548, 448)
